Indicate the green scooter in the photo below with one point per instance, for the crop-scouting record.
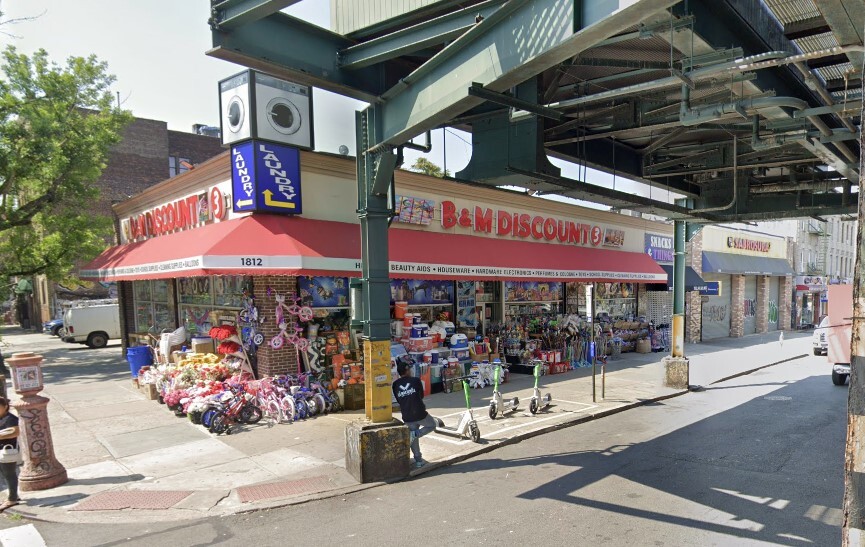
(467, 423)
(497, 403)
(537, 401)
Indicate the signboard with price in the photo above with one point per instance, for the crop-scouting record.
(265, 178)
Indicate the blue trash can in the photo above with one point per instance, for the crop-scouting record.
(138, 356)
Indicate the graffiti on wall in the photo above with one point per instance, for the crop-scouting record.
(750, 307)
(715, 313)
(773, 311)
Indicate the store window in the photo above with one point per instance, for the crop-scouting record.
(576, 298)
(177, 165)
(154, 306)
(328, 298)
(529, 299)
(431, 299)
(617, 300)
(205, 301)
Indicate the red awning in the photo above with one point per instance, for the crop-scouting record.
(277, 245)
(258, 244)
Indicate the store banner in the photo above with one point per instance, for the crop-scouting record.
(421, 291)
(323, 291)
(659, 247)
(265, 177)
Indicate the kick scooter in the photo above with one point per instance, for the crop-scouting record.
(537, 401)
(497, 403)
(467, 423)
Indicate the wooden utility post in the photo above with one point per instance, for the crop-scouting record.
(853, 533)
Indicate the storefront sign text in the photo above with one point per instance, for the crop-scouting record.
(745, 244)
(659, 247)
(712, 288)
(265, 177)
(178, 215)
(522, 225)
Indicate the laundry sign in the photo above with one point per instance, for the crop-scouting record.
(265, 177)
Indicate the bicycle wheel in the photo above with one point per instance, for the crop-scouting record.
(289, 411)
(335, 405)
(219, 424)
(302, 409)
(321, 403)
(250, 414)
(207, 417)
(272, 413)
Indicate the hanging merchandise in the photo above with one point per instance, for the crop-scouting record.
(289, 330)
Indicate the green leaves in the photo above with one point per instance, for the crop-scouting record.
(57, 125)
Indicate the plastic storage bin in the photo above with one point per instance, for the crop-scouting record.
(138, 356)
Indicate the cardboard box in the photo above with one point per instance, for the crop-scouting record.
(149, 391)
(354, 397)
(202, 345)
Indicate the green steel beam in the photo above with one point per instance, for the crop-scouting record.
(477, 90)
(582, 190)
(301, 52)
(820, 110)
(231, 14)
(518, 41)
(435, 32)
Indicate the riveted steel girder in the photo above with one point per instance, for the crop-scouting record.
(415, 38)
(229, 14)
(520, 40)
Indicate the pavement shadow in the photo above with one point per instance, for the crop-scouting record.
(723, 462)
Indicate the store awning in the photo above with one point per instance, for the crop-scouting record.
(693, 281)
(259, 245)
(277, 245)
(740, 264)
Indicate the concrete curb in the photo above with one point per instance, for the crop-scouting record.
(753, 370)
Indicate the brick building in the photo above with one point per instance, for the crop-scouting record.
(148, 153)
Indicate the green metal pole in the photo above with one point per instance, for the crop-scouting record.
(679, 229)
(374, 172)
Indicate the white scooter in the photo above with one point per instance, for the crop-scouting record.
(467, 423)
(538, 402)
(498, 404)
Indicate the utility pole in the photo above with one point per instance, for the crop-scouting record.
(853, 532)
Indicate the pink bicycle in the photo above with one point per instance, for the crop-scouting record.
(289, 331)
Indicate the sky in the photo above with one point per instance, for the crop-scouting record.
(156, 49)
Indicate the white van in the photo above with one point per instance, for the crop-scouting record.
(92, 325)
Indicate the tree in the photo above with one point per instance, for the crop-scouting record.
(425, 166)
(57, 125)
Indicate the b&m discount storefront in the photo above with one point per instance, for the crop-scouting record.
(215, 243)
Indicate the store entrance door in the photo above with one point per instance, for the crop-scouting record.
(489, 314)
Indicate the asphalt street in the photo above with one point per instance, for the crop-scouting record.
(756, 460)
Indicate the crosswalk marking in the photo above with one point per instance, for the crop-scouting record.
(21, 536)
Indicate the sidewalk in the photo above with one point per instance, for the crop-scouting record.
(124, 454)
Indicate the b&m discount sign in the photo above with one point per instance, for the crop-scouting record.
(265, 178)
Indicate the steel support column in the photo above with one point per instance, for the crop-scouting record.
(678, 345)
(374, 173)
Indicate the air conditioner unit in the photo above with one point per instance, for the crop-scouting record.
(258, 106)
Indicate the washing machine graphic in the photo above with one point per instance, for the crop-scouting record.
(258, 106)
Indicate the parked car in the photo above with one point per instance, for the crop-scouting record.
(839, 331)
(53, 327)
(92, 325)
(819, 340)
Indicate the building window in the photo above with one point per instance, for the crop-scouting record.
(154, 306)
(177, 165)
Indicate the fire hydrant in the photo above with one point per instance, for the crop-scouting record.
(41, 469)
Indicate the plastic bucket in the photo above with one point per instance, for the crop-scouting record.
(399, 309)
(138, 356)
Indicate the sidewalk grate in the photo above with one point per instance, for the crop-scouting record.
(115, 501)
(282, 489)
